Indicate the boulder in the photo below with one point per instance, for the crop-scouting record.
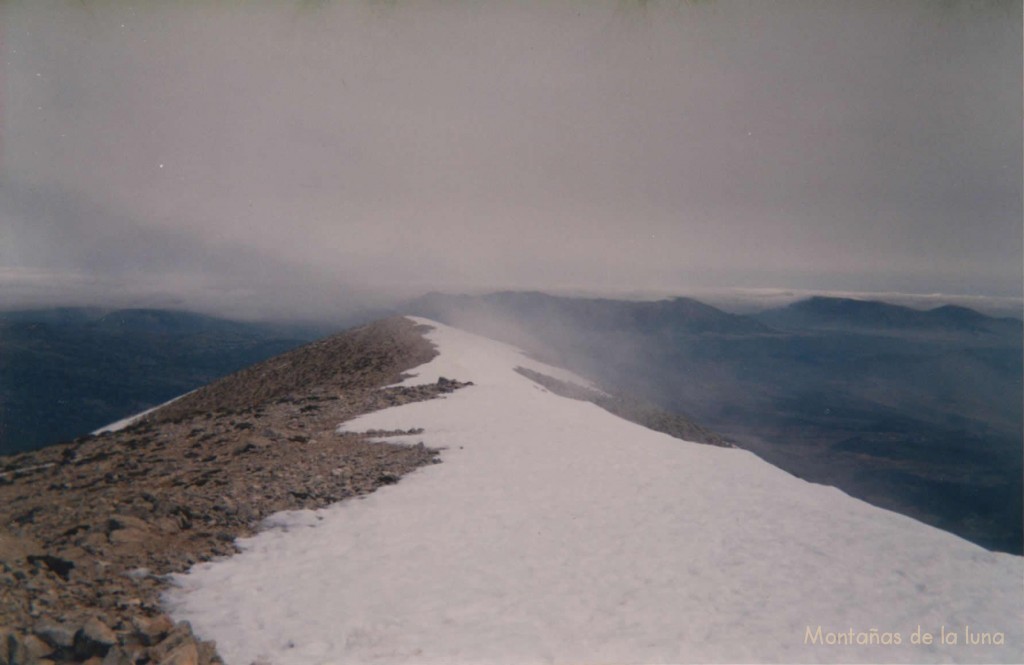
(17, 649)
(181, 634)
(60, 567)
(152, 630)
(117, 656)
(118, 522)
(36, 648)
(7, 637)
(184, 654)
(94, 638)
(57, 635)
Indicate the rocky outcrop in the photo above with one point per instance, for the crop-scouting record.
(91, 530)
(94, 643)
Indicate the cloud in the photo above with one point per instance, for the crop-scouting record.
(63, 249)
(362, 149)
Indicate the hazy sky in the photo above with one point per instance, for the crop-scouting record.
(293, 157)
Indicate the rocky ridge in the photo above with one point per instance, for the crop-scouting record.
(91, 530)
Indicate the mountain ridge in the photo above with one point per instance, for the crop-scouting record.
(924, 419)
(555, 530)
(179, 484)
(177, 487)
(674, 315)
(824, 311)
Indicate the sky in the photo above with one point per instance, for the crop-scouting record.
(298, 158)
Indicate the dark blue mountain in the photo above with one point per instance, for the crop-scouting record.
(673, 316)
(822, 312)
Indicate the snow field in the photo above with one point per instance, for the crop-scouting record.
(555, 532)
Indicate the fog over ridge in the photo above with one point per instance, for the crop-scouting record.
(283, 158)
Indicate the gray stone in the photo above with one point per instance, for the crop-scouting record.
(118, 522)
(151, 631)
(184, 654)
(117, 656)
(179, 635)
(5, 646)
(36, 648)
(57, 635)
(14, 650)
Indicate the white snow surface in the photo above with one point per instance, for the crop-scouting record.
(555, 532)
(119, 425)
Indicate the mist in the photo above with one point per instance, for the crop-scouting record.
(299, 159)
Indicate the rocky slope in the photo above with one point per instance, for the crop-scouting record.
(90, 530)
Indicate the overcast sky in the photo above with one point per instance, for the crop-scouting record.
(292, 158)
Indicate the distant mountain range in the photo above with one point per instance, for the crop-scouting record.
(674, 316)
(67, 371)
(916, 411)
(822, 312)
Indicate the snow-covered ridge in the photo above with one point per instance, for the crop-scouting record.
(557, 532)
(119, 425)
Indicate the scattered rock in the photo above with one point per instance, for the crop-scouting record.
(17, 649)
(76, 530)
(57, 635)
(117, 656)
(151, 630)
(180, 635)
(12, 649)
(94, 638)
(120, 522)
(184, 654)
(36, 648)
(61, 567)
(128, 536)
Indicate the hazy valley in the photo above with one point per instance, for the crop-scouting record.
(65, 372)
(918, 412)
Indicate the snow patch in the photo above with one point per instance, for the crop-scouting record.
(131, 420)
